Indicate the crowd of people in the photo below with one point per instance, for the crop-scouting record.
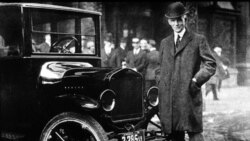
(143, 58)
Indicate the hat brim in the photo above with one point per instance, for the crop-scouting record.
(174, 17)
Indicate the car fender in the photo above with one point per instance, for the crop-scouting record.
(81, 101)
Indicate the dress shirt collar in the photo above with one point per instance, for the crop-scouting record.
(181, 34)
(136, 51)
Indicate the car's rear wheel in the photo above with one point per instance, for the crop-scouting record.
(73, 127)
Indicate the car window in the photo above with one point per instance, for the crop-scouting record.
(10, 31)
(58, 32)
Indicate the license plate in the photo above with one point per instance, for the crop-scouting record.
(133, 136)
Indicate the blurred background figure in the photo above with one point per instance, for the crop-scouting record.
(2, 41)
(83, 44)
(43, 47)
(91, 46)
(106, 53)
(33, 44)
(136, 58)
(214, 83)
(144, 44)
(118, 55)
(89, 49)
(224, 62)
(48, 39)
(152, 59)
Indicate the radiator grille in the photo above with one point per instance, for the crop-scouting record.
(129, 95)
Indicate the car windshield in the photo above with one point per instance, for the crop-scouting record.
(59, 32)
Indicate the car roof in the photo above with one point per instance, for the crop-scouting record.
(49, 6)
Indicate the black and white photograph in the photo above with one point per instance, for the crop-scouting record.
(125, 71)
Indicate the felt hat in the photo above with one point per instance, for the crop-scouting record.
(175, 10)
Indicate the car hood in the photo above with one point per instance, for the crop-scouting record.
(57, 70)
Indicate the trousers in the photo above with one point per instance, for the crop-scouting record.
(180, 136)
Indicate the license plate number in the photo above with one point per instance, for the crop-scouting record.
(133, 136)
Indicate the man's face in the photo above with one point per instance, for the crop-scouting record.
(123, 45)
(143, 44)
(135, 45)
(91, 46)
(177, 24)
(218, 52)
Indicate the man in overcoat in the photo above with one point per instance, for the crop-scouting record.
(186, 63)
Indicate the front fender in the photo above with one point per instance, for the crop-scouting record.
(80, 101)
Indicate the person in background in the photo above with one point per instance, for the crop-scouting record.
(225, 64)
(118, 55)
(89, 49)
(214, 83)
(33, 44)
(152, 58)
(44, 47)
(181, 77)
(106, 53)
(144, 44)
(136, 58)
(2, 41)
(91, 46)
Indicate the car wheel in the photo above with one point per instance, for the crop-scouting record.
(73, 127)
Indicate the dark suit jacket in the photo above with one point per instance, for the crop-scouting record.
(105, 58)
(180, 98)
(137, 61)
(152, 64)
(116, 58)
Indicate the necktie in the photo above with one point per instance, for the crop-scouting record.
(177, 42)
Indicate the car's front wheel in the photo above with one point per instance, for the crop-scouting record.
(73, 127)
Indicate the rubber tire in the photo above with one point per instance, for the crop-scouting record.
(87, 121)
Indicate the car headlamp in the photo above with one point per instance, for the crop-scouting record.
(107, 99)
(152, 96)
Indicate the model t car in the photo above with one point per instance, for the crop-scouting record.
(53, 87)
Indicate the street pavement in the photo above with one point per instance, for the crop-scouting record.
(227, 119)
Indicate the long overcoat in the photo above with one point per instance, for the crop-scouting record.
(180, 109)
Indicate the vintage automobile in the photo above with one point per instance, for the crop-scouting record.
(53, 87)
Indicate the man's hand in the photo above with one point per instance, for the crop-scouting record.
(194, 87)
